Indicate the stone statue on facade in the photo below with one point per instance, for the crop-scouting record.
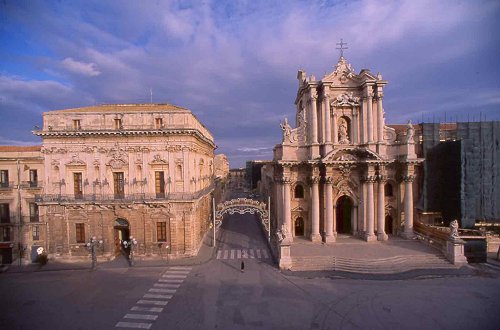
(410, 132)
(282, 234)
(287, 129)
(343, 136)
(454, 229)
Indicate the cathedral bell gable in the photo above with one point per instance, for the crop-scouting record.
(343, 75)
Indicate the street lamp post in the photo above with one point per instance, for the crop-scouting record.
(132, 242)
(92, 245)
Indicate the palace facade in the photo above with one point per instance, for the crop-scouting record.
(341, 170)
(117, 171)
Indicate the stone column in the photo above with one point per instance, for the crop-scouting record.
(335, 130)
(369, 113)
(328, 121)
(314, 117)
(329, 235)
(354, 126)
(408, 207)
(315, 236)
(287, 214)
(370, 220)
(380, 112)
(381, 235)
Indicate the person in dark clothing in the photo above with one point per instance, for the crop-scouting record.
(242, 267)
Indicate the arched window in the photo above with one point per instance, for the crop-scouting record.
(388, 190)
(299, 191)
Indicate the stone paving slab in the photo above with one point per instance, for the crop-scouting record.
(351, 247)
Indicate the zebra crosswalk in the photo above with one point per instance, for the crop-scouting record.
(242, 254)
(155, 300)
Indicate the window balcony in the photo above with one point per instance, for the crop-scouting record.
(32, 184)
(6, 185)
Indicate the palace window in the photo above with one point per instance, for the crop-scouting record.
(118, 123)
(76, 124)
(4, 178)
(178, 172)
(5, 234)
(4, 213)
(33, 178)
(161, 231)
(160, 184)
(35, 233)
(34, 212)
(80, 233)
(159, 122)
(388, 190)
(78, 185)
(119, 185)
(299, 191)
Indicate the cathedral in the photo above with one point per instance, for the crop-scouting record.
(341, 170)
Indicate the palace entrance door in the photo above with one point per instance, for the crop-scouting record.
(343, 215)
(122, 233)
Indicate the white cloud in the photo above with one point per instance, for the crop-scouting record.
(86, 69)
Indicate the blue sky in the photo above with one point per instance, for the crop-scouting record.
(234, 63)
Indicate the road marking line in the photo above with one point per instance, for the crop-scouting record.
(172, 286)
(152, 302)
(170, 280)
(219, 254)
(252, 256)
(174, 276)
(239, 254)
(177, 272)
(244, 254)
(226, 252)
(180, 268)
(158, 296)
(232, 254)
(258, 254)
(133, 325)
(147, 309)
(141, 317)
(162, 290)
(265, 254)
(165, 287)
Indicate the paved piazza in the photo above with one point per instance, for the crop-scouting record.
(217, 295)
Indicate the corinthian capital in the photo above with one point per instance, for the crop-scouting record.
(408, 178)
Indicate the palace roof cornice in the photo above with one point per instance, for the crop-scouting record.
(123, 132)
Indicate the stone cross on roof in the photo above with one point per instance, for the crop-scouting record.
(342, 48)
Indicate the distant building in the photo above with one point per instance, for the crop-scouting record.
(237, 178)
(117, 171)
(461, 172)
(21, 179)
(253, 172)
(221, 166)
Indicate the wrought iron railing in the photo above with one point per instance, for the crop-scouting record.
(7, 185)
(139, 197)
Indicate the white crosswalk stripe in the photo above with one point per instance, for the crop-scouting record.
(133, 325)
(158, 295)
(141, 316)
(243, 254)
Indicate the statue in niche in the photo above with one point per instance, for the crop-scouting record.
(287, 129)
(410, 131)
(282, 234)
(343, 136)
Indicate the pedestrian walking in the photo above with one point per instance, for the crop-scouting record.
(242, 267)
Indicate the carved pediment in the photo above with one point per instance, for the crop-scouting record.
(342, 75)
(75, 161)
(351, 155)
(118, 159)
(346, 99)
(157, 160)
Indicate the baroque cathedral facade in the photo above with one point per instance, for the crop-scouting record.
(341, 170)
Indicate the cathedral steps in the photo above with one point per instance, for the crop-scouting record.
(393, 265)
